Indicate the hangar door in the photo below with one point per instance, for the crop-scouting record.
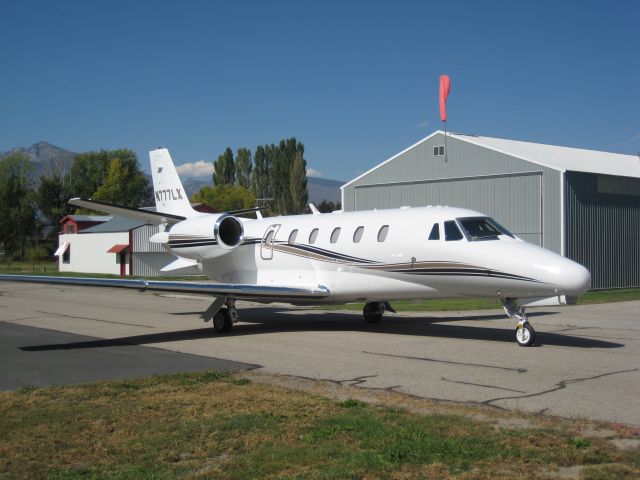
(515, 201)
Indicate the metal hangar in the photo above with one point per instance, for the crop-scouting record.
(581, 203)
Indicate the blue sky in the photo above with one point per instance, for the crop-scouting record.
(355, 81)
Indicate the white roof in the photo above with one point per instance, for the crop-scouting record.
(551, 156)
(561, 158)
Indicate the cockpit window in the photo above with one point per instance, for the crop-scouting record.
(482, 228)
(451, 231)
(435, 232)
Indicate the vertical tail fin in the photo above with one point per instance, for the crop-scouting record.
(167, 187)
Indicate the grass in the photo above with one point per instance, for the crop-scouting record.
(216, 425)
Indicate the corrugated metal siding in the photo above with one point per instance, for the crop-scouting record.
(513, 200)
(149, 265)
(143, 267)
(141, 236)
(419, 166)
(148, 258)
(603, 229)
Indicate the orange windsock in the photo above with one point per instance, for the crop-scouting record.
(445, 86)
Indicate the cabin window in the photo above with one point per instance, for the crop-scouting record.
(438, 151)
(435, 232)
(451, 231)
(335, 235)
(269, 238)
(382, 233)
(313, 235)
(293, 235)
(482, 228)
(357, 235)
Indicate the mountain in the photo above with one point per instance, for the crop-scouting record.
(193, 184)
(43, 156)
(323, 189)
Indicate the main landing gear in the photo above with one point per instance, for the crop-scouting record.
(223, 317)
(525, 334)
(373, 311)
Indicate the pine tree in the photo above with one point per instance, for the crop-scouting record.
(243, 167)
(224, 169)
(17, 205)
(53, 194)
(298, 183)
(260, 178)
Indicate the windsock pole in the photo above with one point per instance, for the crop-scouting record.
(445, 87)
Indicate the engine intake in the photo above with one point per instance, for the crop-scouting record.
(228, 231)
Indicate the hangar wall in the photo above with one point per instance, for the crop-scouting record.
(149, 258)
(603, 227)
(523, 196)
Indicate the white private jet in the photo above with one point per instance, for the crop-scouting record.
(371, 256)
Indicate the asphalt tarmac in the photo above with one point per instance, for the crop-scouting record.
(586, 362)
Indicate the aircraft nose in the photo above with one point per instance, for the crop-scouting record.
(575, 279)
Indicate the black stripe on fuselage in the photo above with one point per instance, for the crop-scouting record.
(192, 244)
(327, 253)
(470, 272)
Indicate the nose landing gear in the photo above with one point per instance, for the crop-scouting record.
(525, 334)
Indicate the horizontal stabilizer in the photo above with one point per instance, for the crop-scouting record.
(240, 290)
(147, 216)
(178, 264)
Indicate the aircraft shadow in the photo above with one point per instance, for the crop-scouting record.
(261, 321)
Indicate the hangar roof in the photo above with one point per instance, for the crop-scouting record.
(551, 156)
(561, 158)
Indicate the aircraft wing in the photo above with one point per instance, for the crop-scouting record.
(240, 291)
(147, 216)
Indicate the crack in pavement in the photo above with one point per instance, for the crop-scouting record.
(92, 319)
(358, 382)
(20, 319)
(482, 385)
(559, 386)
(449, 362)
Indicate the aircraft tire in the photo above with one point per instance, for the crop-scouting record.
(526, 335)
(222, 321)
(373, 312)
(373, 318)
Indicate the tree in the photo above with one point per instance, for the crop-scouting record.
(224, 169)
(88, 171)
(298, 184)
(128, 185)
(124, 183)
(281, 166)
(225, 197)
(243, 167)
(327, 207)
(18, 223)
(53, 194)
(260, 179)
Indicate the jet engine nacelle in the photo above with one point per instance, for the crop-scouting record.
(206, 236)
